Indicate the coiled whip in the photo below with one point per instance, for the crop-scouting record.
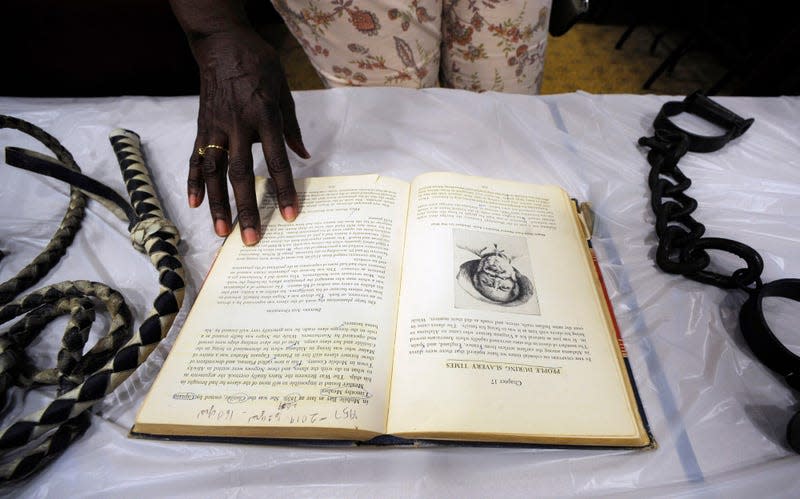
(32, 441)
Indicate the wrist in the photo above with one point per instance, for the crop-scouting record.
(203, 18)
(222, 36)
(223, 30)
(232, 52)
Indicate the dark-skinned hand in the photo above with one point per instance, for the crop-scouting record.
(244, 99)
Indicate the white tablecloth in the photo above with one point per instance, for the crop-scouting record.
(718, 415)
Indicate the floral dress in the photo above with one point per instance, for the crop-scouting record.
(476, 45)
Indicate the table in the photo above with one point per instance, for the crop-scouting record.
(717, 414)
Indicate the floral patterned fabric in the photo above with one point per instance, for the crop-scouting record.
(476, 45)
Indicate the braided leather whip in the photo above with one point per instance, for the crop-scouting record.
(84, 380)
(58, 244)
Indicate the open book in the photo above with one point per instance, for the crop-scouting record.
(452, 308)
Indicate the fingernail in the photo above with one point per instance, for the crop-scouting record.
(298, 147)
(222, 228)
(289, 213)
(250, 236)
(194, 201)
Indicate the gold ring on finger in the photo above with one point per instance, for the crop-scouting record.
(202, 150)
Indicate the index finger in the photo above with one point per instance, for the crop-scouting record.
(278, 163)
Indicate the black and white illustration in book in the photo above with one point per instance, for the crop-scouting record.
(493, 272)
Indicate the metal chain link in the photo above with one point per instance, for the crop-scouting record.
(682, 249)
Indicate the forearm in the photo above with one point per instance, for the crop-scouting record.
(202, 18)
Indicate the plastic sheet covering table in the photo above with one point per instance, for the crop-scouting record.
(719, 417)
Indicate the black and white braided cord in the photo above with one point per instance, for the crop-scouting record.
(70, 224)
(85, 379)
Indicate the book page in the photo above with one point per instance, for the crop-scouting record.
(295, 332)
(501, 316)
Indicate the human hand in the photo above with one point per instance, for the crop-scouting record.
(244, 99)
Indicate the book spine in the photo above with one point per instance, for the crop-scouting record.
(621, 344)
